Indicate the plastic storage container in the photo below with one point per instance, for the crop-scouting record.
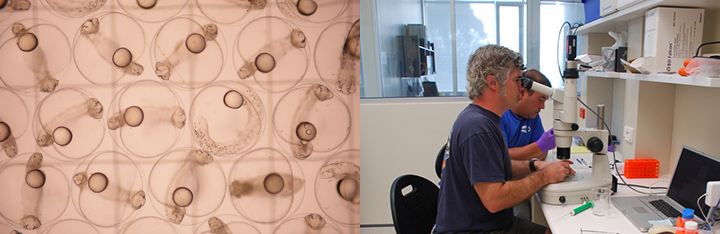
(641, 168)
(691, 227)
(701, 66)
(682, 221)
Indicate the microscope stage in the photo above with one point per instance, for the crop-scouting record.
(573, 190)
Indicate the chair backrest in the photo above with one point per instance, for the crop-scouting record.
(439, 161)
(413, 212)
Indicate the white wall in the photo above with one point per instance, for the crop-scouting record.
(403, 136)
(696, 124)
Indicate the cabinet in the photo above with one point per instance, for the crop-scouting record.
(418, 56)
(665, 111)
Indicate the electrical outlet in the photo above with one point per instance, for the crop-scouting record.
(629, 134)
(713, 193)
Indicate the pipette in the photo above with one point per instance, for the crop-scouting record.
(581, 208)
(575, 211)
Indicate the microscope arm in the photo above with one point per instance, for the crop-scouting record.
(565, 126)
(557, 95)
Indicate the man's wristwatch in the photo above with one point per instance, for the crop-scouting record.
(532, 164)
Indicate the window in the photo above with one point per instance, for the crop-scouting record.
(552, 16)
(475, 23)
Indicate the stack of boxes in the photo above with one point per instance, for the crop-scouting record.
(671, 36)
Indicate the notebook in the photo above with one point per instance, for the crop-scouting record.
(694, 169)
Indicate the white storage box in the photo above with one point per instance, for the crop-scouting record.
(622, 4)
(608, 7)
(671, 35)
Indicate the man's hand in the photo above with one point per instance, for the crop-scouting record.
(556, 171)
(546, 141)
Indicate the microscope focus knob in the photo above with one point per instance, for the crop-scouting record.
(595, 145)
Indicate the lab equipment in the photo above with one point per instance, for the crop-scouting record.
(585, 206)
(691, 227)
(575, 211)
(701, 65)
(687, 216)
(578, 188)
(601, 201)
(641, 168)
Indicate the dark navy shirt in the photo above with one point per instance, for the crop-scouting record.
(478, 153)
(520, 131)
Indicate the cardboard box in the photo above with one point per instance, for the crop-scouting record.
(656, 64)
(671, 34)
(608, 7)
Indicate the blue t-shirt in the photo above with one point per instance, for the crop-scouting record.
(520, 131)
(478, 153)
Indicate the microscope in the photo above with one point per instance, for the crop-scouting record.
(577, 188)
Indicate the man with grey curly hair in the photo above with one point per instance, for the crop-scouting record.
(480, 183)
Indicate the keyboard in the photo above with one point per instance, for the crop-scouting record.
(665, 208)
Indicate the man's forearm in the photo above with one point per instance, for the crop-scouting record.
(520, 168)
(526, 152)
(498, 196)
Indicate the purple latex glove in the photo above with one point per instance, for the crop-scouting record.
(546, 141)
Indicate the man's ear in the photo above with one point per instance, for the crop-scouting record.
(493, 83)
(524, 94)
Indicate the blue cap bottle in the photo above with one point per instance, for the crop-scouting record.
(688, 214)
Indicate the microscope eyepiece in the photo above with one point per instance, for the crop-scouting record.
(526, 82)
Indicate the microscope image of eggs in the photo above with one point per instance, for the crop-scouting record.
(40, 52)
(108, 188)
(265, 185)
(7, 8)
(186, 116)
(77, 225)
(13, 124)
(149, 225)
(188, 52)
(227, 118)
(343, 73)
(312, 12)
(311, 121)
(272, 53)
(35, 190)
(146, 118)
(223, 224)
(228, 12)
(73, 8)
(186, 185)
(306, 223)
(107, 48)
(337, 187)
(68, 124)
(152, 11)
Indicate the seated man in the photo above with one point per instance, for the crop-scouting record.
(481, 183)
(524, 133)
(522, 126)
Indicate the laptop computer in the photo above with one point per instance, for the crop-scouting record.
(689, 182)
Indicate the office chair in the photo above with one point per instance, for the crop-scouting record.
(415, 211)
(439, 161)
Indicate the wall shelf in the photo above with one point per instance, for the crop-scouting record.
(609, 22)
(661, 78)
